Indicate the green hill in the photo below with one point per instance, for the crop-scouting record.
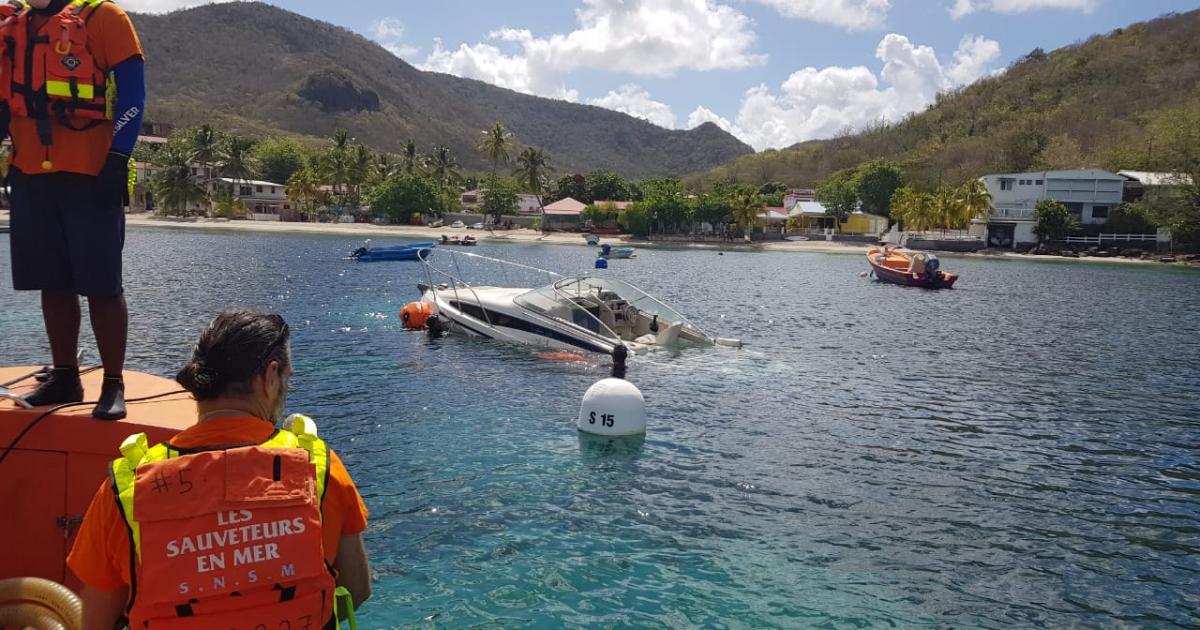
(256, 69)
(1090, 104)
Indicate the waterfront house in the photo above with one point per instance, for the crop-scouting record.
(266, 201)
(810, 216)
(1137, 183)
(1090, 194)
(563, 214)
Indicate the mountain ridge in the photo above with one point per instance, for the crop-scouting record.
(257, 69)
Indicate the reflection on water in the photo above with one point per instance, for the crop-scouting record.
(1018, 451)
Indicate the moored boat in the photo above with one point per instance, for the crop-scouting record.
(608, 251)
(910, 269)
(464, 241)
(411, 251)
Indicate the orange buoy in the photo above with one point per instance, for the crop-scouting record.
(415, 314)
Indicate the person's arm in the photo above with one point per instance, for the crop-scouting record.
(102, 608)
(353, 568)
(130, 77)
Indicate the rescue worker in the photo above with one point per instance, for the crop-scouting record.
(233, 523)
(73, 88)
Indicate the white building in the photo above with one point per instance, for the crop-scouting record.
(1089, 194)
(527, 203)
(798, 195)
(265, 200)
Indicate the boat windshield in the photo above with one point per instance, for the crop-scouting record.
(551, 302)
(613, 304)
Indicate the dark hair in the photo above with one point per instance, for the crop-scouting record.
(236, 347)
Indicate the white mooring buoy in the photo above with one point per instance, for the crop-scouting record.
(613, 407)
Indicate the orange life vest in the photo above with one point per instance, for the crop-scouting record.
(227, 539)
(53, 76)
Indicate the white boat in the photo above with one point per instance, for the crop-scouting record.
(568, 313)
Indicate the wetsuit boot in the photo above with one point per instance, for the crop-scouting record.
(111, 405)
(62, 386)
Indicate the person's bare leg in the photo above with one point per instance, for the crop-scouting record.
(110, 323)
(60, 311)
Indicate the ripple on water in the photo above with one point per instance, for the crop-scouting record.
(1018, 452)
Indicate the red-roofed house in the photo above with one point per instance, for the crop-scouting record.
(563, 214)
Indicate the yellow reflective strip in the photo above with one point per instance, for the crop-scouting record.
(61, 88)
(318, 453)
(125, 473)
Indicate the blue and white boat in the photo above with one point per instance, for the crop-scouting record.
(411, 251)
(608, 251)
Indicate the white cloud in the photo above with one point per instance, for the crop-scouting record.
(966, 7)
(389, 33)
(703, 114)
(633, 100)
(639, 37)
(849, 14)
(818, 103)
(973, 59)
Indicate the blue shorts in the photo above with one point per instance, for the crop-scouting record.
(63, 237)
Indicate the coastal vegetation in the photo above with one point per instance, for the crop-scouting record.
(1054, 221)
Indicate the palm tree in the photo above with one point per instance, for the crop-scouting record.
(359, 168)
(746, 205)
(234, 160)
(495, 145)
(386, 165)
(336, 165)
(341, 140)
(443, 167)
(204, 147)
(173, 184)
(410, 157)
(974, 200)
(304, 190)
(227, 206)
(533, 168)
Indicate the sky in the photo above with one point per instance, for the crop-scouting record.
(772, 72)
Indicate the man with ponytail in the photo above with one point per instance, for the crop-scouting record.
(244, 520)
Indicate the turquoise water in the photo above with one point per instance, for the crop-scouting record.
(1018, 452)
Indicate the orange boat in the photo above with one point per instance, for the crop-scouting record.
(910, 269)
(52, 460)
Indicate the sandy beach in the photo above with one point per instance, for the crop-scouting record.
(362, 231)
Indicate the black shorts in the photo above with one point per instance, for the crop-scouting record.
(63, 237)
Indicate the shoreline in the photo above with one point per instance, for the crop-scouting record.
(368, 230)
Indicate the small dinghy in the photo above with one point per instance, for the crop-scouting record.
(412, 251)
(909, 269)
(608, 251)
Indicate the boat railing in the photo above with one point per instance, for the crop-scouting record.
(456, 282)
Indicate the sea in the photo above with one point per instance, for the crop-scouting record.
(1021, 451)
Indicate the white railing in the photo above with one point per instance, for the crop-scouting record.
(1012, 213)
(1100, 238)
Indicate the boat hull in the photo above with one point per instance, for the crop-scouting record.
(391, 255)
(937, 280)
(492, 319)
(54, 468)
